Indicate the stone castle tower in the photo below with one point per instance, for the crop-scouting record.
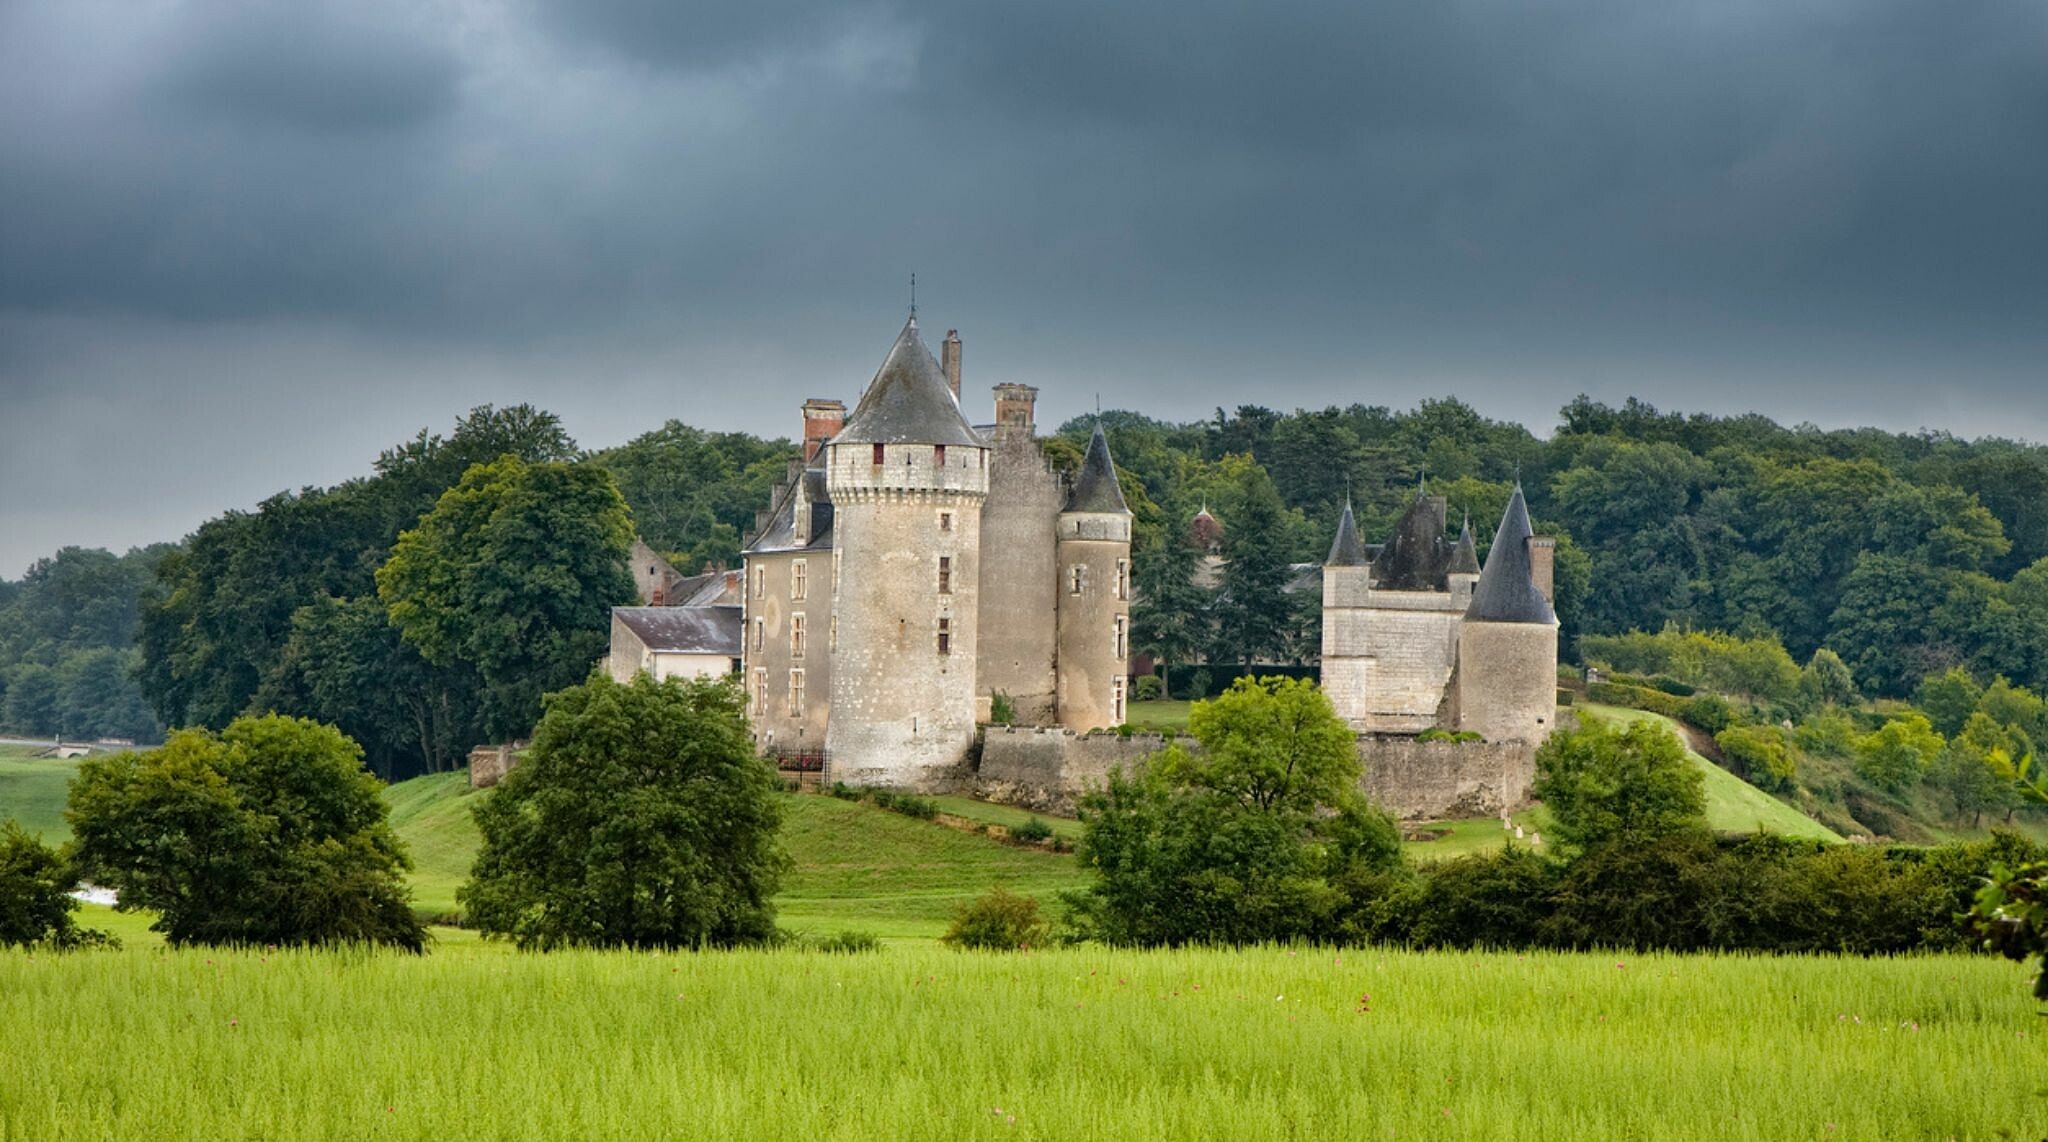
(914, 566)
(1416, 636)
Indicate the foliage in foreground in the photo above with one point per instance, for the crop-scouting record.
(641, 818)
(270, 832)
(36, 908)
(1000, 921)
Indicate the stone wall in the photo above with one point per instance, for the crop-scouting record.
(1049, 769)
(488, 765)
(1507, 680)
(784, 716)
(1019, 577)
(1416, 780)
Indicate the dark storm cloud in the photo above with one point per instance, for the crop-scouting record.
(330, 223)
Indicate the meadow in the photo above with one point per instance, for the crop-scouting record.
(478, 1041)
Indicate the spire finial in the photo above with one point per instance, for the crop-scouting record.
(913, 295)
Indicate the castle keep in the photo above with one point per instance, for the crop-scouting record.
(914, 566)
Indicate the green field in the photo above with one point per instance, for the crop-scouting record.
(1163, 714)
(478, 1042)
(32, 791)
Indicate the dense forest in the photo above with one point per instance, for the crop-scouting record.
(1907, 554)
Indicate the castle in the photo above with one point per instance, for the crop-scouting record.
(915, 569)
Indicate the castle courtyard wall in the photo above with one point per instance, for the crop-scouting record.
(1019, 579)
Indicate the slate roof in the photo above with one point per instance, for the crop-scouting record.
(1506, 593)
(1096, 489)
(909, 401)
(684, 630)
(1465, 556)
(1418, 556)
(1347, 550)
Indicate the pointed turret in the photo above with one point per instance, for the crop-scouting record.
(1347, 550)
(1096, 489)
(909, 401)
(1465, 556)
(1506, 591)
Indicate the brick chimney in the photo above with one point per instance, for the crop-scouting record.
(822, 421)
(1542, 565)
(1016, 408)
(949, 359)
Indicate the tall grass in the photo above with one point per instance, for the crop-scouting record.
(474, 1041)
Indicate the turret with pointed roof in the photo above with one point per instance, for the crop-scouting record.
(1506, 592)
(909, 401)
(1096, 488)
(1094, 553)
(1347, 550)
(1465, 556)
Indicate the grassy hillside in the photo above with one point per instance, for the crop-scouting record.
(1733, 805)
(32, 791)
(857, 867)
(926, 1043)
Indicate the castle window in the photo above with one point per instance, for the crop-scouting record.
(1078, 581)
(878, 455)
(945, 636)
(1116, 700)
(832, 635)
(945, 574)
(796, 692)
(938, 455)
(796, 579)
(760, 580)
(945, 521)
(760, 692)
(760, 632)
(1123, 579)
(1123, 640)
(796, 636)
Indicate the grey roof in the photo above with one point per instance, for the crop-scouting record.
(684, 630)
(1506, 593)
(1096, 489)
(909, 401)
(1417, 557)
(780, 532)
(1465, 556)
(1347, 550)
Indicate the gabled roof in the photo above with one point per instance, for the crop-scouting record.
(1348, 550)
(909, 401)
(1465, 556)
(1416, 557)
(1506, 593)
(684, 630)
(1096, 489)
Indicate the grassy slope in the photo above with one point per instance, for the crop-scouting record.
(32, 792)
(1164, 714)
(1008, 816)
(924, 1043)
(857, 867)
(1733, 805)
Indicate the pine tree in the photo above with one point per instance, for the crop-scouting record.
(1170, 616)
(1253, 612)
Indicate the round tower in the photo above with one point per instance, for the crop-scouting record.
(1094, 596)
(1347, 645)
(907, 477)
(1507, 645)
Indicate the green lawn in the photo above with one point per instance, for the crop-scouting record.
(1733, 805)
(1008, 816)
(432, 816)
(32, 792)
(474, 1041)
(1164, 714)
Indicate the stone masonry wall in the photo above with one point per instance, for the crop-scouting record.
(1019, 577)
(1417, 780)
(1049, 769)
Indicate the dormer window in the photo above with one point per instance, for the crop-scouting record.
(938, 455)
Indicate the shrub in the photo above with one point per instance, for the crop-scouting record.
(1150, 688)
(35, 895)
(1670, 685)
(269, 833)
(1762, 756)
(1566, 697)
(1001, 710)
(1710, 712)
(1829, 734)
(1606, 785)
(642, 818)
(1899, 754)
(845, 792)
(999, 921)
(1613, 693)
(846, 943)
(1198, 686)
(1031, 832)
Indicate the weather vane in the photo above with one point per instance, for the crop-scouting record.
(913, 293)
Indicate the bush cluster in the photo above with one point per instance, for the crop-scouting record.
(908, 804)
(999, 921)
(1611, 693)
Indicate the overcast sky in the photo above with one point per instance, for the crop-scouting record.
(246, 245)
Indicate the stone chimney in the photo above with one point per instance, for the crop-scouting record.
(1542, 565)
(1016, 408)
(822, 421)
(949, 359)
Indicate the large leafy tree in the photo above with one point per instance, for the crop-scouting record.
(1258, 836)
(513, 575)
(640, 818)
(1254, 617)
(36, 907)
(270, 832)
(1170, 615)
(1617, 785)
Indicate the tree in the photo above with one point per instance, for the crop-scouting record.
(34, 700)
(1949, 699)
(514, 574)
(1762, 754)
(270, 832)
(1252, 610)
(1827, 681)
(640, 818)
(1899, 753)
(35, 895)
(1170, 615)
(1261, 836)
(1605, 785)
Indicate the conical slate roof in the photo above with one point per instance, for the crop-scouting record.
(909, 401)
(1506, 593)
(1348, 550)
(1415, 558)
(1096, 489)
(1465, 557)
